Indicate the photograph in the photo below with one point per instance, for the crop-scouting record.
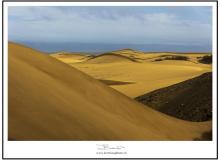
(110, 73)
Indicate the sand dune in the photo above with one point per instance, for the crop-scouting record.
(70, 58)
(109, 58)
(129, 53)
(49, 100)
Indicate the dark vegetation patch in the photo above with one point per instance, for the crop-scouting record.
(189, 100)
(159, 59)
(111, 82)
(206, 136)
(183, 58)
(172, 57)
(205, 59)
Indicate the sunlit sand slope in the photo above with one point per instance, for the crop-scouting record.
(145, 77)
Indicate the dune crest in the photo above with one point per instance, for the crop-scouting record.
(70, 58)
(109, 58)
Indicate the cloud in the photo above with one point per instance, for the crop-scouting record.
(135, 25)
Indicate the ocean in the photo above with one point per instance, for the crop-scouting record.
(96, 48)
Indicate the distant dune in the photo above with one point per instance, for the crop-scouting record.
(109, 58)
(49, 100)
(71, 57)
(128, 52)
(133, 55)
(189, 100)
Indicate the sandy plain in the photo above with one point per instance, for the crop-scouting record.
(141, 71)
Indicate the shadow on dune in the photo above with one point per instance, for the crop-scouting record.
(11, 139)
(189, 100)
(206, 136)
(111, 82)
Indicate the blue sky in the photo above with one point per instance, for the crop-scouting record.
(172, 25)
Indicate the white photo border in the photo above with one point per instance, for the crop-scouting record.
(88, 149)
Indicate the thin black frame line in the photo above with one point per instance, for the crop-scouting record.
(109, 1)
(99, 158)
(217, 72)
(2, 79)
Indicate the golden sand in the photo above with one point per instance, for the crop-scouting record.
(50, 100)
(144, 72)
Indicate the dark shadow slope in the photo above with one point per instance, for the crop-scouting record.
(189, 100)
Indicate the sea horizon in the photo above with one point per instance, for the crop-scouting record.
(96, 48)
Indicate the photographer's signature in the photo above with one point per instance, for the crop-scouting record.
(109, 147)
